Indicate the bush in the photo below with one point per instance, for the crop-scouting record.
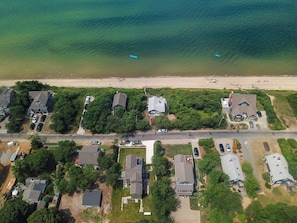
(266, 177)
(267, 185)
(293, 143)
(207, 144)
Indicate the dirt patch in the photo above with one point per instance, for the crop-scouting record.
(71, 205)
(7, 180)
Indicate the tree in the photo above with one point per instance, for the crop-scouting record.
(160, 166)
(44, 215)
(216, 177)
(164, 201)
(113, 174)
(105, 162)
(14, 211)
(35, 142)
(64, 151)
(209, 162)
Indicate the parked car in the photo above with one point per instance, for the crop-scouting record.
(39, 127)
(162, 130)
(221, 147)
(266, 146)
(228, 148)
(95, 142)
(35, 119)
(259, 114)
(136, 142)
(251, 124)
(86, 107)
(196, 152)
(32, 126)
(43, 117)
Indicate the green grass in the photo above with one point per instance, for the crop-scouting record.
(130, 213)
(280, 103)
(127, 151)
(276, 191)
(172, 150)
(91, 215)
(194, 203)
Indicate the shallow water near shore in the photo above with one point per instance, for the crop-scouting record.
(94, 38)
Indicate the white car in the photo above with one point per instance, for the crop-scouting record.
(94, 142)
(162, 130)
(35, 119)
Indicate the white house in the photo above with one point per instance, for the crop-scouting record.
(278, 169)
(231, 166)
(156, 105)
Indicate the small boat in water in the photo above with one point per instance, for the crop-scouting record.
(133, 56)
(217, 55)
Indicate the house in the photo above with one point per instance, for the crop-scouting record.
(156, 105)
(92, 199)
(6, 98)
(243, 106)
(34, 190)
(119, 100)
(278, 169)
(184, 175)
(231, 166)
(88, 155)
(39, 102)
(133, 175)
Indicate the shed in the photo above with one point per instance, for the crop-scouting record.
(92, 198)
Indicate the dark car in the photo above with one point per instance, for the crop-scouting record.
(221, 147)
(43, 117)
(39, 127)
(196, 152)
(266, 146)
(32, 126)
(259, 114)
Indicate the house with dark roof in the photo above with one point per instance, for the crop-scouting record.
(184, 175)
(39, 102)
(92, 199)
(34, 190)
(231, 166)
(119, 100)
(278, 169)
(6, 98)
(156, 105)
(133, 175)
(88, 155)
(243, 106)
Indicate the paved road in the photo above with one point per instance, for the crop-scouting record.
(171, 135)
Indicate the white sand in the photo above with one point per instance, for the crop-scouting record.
(220, 82)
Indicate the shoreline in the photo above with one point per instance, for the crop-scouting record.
(203, 82)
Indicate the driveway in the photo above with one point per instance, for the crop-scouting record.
(184, 212)
(149, 144)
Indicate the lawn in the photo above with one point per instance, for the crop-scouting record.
(172, 150)
(127, 151)
(280, 103)
(130, 212)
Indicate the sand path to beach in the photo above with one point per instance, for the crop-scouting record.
(218, 82)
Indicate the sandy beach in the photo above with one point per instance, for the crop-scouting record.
(213, 82)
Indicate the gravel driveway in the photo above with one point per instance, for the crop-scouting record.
(184, 212)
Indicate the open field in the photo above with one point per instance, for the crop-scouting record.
(217, 82)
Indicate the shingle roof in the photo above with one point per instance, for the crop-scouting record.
(184, 168)
(40, 99)
(5, 97)
(34, 189)
(157, 104)
(231, 166)
(133, 172)
(244, 103)
(278, 167)
(119, 99)
(92, 198)
(88, 155)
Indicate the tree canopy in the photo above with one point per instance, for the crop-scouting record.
(45, 215)
(65, 150)
(14, 211)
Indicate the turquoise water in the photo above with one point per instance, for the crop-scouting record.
(170, 37)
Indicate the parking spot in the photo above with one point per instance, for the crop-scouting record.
(224, 142)
(194, 144)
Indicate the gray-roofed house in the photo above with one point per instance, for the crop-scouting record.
(133, 175)
(6, 98)
(119, 100)
(156, 105)
(243, 105)
(184, 175)
(39, 102)
(231, 166)
(34, 190)
(278, 169)
(92, 199)
(88, 155)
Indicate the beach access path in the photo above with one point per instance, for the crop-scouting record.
(211, 82)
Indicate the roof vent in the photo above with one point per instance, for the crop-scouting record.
(278, 158)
